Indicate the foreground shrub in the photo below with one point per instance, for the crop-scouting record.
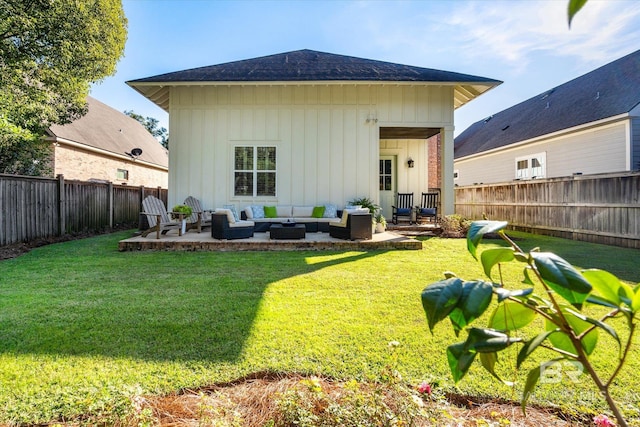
(568, 332)
(454, 226)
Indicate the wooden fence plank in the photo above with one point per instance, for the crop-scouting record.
(598, 208)
(33, 207)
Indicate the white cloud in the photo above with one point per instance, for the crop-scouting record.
(511, 31)
(509, 34)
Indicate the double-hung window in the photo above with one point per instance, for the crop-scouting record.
(254, 171)
(532, 166)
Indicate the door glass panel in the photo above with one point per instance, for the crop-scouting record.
(385, 175)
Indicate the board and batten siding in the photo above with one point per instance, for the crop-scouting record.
(327, 137)
(635, 143)
(593, 151)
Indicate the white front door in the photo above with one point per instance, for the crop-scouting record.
(387, 184)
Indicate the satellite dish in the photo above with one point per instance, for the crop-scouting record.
(136, 152)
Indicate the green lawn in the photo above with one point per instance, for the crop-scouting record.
(83, 327)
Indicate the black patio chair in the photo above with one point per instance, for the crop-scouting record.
(428, 207)
(403, 207)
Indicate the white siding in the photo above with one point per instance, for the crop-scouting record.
(597, 150)
(327, 151)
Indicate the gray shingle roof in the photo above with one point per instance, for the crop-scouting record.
(309, 66)
(608, 91)
(108, 129)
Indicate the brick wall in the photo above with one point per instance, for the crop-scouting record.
(77, 164)
(434, 161)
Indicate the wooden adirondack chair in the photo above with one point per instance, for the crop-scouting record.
(158, 217)
(199, 218)
(403, 207)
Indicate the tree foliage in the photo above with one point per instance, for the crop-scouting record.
(50, 53)
(151, 124)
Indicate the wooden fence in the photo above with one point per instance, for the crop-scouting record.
(595, 208)
(32, 208)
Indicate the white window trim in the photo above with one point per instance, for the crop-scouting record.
(254, 171)
(542, 159)
(456, 174)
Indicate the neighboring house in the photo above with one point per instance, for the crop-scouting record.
(101, 146)
(589, 125)
(308, 128)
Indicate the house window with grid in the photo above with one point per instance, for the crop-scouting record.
(255, 171)
(531, 167)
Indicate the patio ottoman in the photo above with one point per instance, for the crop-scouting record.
(279, 231)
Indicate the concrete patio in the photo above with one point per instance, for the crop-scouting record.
(396, 237)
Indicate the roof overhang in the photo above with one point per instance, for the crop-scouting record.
(159, 92)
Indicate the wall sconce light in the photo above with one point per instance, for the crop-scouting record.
(410, 162)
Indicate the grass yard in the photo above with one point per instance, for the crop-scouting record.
(85, 328)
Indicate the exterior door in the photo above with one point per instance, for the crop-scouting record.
(387, 184)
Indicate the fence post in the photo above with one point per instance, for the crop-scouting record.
(142, 219)
(61, 206)
(110, 206)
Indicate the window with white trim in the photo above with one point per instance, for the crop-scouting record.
(254, 171)
(532, 166)
(456, 174)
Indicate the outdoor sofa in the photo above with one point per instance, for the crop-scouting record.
(355, 224)
(224, 226)
(315, 218)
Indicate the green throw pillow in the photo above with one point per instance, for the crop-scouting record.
(270, 212)
(318, 212)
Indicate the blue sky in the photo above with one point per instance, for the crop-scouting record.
(525, 43)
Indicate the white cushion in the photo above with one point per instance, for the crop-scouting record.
(329, 220)
(230, 218)
(283, 211)
(249, 212)
(302, 211)
(242, 223)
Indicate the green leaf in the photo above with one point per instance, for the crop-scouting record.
(635, 303)
(510, 316)
(476, 297)
(489, 360)
(440, 298)
(626, 293)
(574, 7)
(532, 381)
(605, 284)
(527, 276)
(562, 277)
(531, 345)
(503, 293)
(563, 342)
(607, 328)
(460, 360)
(490, 257)
(478, 229)
(593, 299)
(484, 340)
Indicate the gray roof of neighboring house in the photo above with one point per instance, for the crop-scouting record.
(608, 91)
(310, 66)
(108, 129)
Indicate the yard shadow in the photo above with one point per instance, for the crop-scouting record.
(170, 307)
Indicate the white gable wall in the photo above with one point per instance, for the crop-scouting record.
(327, 137)
(596, 150)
